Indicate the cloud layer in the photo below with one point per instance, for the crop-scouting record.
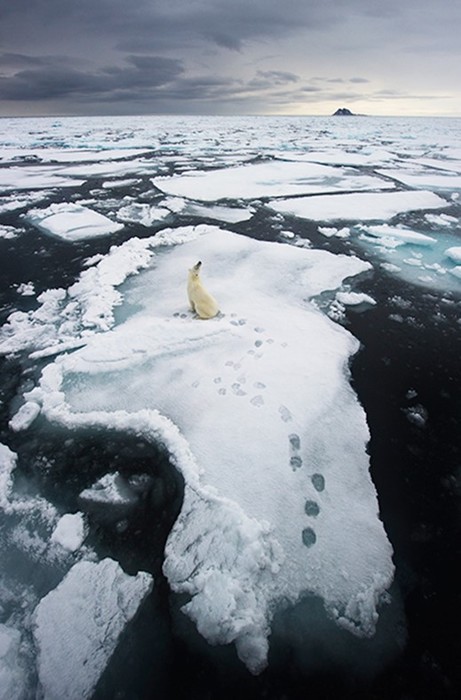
(222, 56)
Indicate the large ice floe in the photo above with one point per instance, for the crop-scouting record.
(357, 206)
(78, 624)
(267, 180)
(256, 410)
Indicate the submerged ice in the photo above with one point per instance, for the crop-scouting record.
(256, 410)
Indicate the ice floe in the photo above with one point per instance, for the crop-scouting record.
(369, 206)
(71, 222)
(78, 624)
(414, 177)
(256, 410)
(12, 671)
(274, 178)
(143, 214)
(70, 531)
(393, 236)
(454, 254)
(231, 215)
(34, 177)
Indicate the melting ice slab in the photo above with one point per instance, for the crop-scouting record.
(256, 410)
(78, 624)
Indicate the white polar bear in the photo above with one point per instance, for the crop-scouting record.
(200, 300)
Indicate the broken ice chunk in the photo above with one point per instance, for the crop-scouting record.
(70, 531)
(78, 624)
(109, 499)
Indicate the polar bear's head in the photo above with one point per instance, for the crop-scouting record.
(194, 272)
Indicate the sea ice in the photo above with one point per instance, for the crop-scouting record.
(266, 180)
(369, 206)
(143, 214)
(231, 215)
(454, 253)
(24, 416)
(34, 177)
(256, 410)
(354, 298)
(71, 222)
(8, 232)
(392, 236)
(12, 673)
(78, 624)
(70, 531)
(7, 466)
(418, 177)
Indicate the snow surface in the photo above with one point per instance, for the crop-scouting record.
(72, 222)
(78, 624)
(246, 404)
(369, 206)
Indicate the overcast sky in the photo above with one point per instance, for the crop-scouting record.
(230, 57)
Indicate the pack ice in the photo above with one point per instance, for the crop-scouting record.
(257, 412)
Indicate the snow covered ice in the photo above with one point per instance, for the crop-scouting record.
(269, 380)
(254, 408)
(72, 222)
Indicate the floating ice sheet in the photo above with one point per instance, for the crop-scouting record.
(231, 215)
(78, 624)
(34, 178)
(267, 180)
(72, 222)
(369, 206)
(418, 177)
(256, 410)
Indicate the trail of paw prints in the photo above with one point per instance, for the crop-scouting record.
(312, 509)
(239, 387)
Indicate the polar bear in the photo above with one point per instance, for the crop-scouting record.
(200, 300)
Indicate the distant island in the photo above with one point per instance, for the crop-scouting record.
(344, 112)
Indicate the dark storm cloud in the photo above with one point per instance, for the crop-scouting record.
(53, 80)
(227, 23)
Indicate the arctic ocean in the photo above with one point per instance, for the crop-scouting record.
(261, 504)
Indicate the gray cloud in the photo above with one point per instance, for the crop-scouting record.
(117, 51)
(51, 80)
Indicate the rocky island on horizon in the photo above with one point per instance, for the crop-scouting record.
(344, 112)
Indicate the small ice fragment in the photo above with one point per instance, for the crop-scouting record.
(70, 531)
(25, 416)
(78, 624)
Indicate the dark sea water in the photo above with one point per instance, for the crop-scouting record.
(409, 359)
